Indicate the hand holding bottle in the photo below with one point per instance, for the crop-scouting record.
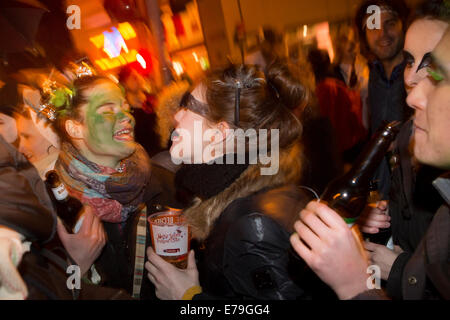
(375, 217)
(86, 245)
(331, 250)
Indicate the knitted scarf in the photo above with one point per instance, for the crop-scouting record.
(207, 180)
(114, 194)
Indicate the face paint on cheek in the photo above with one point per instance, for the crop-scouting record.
(100, 126)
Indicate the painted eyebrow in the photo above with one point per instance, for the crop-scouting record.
(426, 59)
(408, 55)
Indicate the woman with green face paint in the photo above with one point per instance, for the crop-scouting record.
(102, 166)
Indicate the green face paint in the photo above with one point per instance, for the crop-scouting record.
(109, 124)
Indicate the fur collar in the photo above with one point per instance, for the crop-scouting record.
(202, 214)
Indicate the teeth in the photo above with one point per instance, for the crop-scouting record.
(125, 131)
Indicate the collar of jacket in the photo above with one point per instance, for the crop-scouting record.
(202, 214)
(442, 185)
(396, 72)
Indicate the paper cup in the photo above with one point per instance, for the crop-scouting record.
(170, 236)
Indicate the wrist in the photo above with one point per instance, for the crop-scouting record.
(352, 287)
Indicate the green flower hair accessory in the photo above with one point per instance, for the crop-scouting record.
(61, 97)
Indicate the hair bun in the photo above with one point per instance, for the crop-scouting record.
(288, 84)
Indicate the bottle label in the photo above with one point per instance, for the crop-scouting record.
(60, 192)
(350, 221)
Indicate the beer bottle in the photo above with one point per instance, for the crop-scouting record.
(68, 208)
(348, 194)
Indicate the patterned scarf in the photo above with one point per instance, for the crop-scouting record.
(114, 194)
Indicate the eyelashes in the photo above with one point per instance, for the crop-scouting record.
(424, 63)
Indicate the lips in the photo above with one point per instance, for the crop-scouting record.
(418, 128)
(385, 43)
(175, 136)
(125, 134)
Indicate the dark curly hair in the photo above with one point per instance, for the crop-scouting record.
(432, 9)
(397, 6)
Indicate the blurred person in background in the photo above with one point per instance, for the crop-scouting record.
(328, 246)
(142, 105)
(270, 49)
(9, 101)
(339, 104)
(383, 48)
(413, 199)
(351, 67)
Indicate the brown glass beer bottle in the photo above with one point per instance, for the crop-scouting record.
(68, 208)
(348, 194)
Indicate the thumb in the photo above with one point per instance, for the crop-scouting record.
(382, 205)
(191, 260)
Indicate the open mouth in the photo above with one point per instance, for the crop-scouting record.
(126, 134)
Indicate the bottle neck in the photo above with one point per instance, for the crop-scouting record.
(368, 161)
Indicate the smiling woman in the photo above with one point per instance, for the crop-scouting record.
(102, 166)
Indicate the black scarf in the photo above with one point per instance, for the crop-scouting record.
(207, 180)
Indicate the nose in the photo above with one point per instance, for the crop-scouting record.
(126, 117)
(413, 77)
(177, 117)
(416, 97)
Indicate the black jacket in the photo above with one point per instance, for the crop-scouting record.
(426, 275)
(26, 208)
(117, 261)
(413, 202)
(248, 255)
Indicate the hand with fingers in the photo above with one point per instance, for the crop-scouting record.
(382, 256)
(330, 249)
(375, 218)
(170, 282)
(86, 245)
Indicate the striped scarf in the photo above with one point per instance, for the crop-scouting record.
(113, 194)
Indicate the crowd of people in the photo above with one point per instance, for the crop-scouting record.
(254, 236)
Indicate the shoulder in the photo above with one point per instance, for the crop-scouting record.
(283, 204)
(267, 214)
(161, 187)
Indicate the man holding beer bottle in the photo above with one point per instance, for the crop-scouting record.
(325, 242)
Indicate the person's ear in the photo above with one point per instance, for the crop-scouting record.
(74, 129)
(224, 128)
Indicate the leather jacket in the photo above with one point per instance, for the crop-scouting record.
(247, 254)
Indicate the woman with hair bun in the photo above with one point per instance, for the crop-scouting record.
(241, 215)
